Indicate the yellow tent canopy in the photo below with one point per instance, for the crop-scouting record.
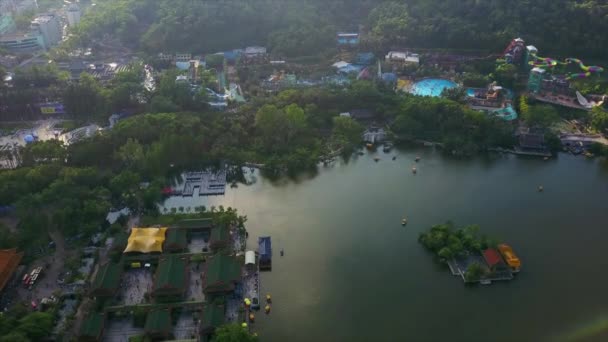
(146, 240)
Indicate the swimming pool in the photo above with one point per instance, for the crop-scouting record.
(431, 87)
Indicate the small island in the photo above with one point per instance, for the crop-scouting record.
(474, 257)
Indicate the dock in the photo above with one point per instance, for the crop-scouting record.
(207, 182)
(265, 253)
(458, 268)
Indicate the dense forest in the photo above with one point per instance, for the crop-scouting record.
(305, 27)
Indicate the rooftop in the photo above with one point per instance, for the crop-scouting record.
(176, 239)
(92, 326)
(492, 257)
(195, 223)
(171, 274)
(146, 240)
(213, 317)
(158, 322)
(222, 272)
(9, 260)
(219, 233)
(107, 279)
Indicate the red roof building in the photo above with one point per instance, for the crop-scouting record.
(9, 260)
(492, 257)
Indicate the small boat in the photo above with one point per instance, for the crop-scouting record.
(282, 252)
(404, 221)
(540, 188)
(394, 157)
(485, 282)
(417, 159)
(376, 159)
(387, 147)
(546, 158)
(414, 170)
(369, 145)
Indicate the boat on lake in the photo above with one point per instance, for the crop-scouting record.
(265, 253)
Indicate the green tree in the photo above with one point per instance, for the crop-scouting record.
(14, 337)
(540, 115)
(347, 132)
(131, 153)
(599, 119)
(84, 98)
(505, 74)
(474, 272)
(233, 333)
(36, 326)
(457, 94)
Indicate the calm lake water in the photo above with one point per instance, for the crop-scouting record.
(351, 272)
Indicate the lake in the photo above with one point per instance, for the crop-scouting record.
(351, 272)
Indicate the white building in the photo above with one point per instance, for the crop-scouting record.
(73, 14)
(255, 51)
(403, 57)
(48, 26)
(374, 135)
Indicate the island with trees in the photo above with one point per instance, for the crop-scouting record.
(473, 257)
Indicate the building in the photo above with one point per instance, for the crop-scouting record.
(254, 55)
(182, 57)
(73, 13)
(374, 135)
(213, 317)
(347, 39)
(402, 58)
(493, 259)
(176, 241)
(220, 237)
(389, 78)
(531, 52)
(48, 26)
(107, 280)
(146, 240)
(22, 42)
(254, 51)
(514, 51)
(535, 79)
(9, 260)
(158, 324)
(196, 224)
(221, 275)
(91, 329)
(171, 278)
(193, 70)
(532, 141)
(7, 24)
(510, 257)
